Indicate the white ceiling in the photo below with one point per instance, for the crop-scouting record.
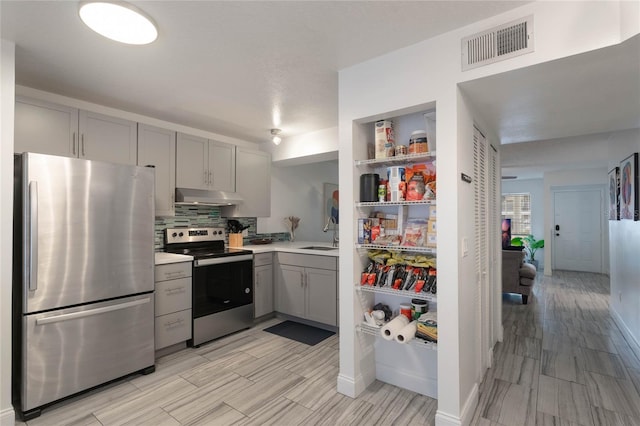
(568, 107)
(225, 66)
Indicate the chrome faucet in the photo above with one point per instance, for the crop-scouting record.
(335, 235)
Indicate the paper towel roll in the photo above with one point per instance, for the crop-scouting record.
(407, 333)
(393, 327)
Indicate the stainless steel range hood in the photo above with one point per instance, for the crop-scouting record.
(187, 196)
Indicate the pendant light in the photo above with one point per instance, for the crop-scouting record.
(118, 21)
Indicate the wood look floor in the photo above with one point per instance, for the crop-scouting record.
(563, 362)
(249, 378)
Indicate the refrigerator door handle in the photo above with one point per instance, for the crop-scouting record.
(91, 312)
(32, 250)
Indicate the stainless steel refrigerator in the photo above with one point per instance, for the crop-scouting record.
(83, 310)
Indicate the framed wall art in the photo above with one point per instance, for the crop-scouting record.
(331, 204)
(629, 188)
(614, 194)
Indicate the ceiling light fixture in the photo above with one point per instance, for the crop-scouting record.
(118, 21)
(276, 139)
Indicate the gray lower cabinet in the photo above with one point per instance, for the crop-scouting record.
(263, 281)
(172, 304)
(306, 287)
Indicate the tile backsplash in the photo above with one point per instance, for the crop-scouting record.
(206, 216)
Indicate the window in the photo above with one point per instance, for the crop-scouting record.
(517, 207)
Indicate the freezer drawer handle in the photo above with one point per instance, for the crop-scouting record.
(76, 315)
(33, 236)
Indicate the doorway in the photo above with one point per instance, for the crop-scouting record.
(577, 232)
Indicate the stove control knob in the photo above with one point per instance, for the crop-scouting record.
(247, 290)
(181, 234)
(174, 235)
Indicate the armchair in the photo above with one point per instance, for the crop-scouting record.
(517, 276)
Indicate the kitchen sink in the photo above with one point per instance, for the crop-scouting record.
(319, 248)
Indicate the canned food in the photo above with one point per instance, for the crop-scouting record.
(382, 192)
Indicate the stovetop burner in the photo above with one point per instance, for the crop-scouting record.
(201, 243)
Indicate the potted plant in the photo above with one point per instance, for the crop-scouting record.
(531, 246)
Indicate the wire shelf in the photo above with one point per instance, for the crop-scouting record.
(397, 248)
(406, 293)
(394, 203)
(398, 160)
(375, 331)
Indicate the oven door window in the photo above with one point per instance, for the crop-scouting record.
(221, 287)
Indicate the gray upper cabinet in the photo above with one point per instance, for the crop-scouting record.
(48, 128)
(204, 164)
(253, 184)
(45, 128)
(157, 147)
(107, 138)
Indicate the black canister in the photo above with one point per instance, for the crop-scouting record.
(369, 187)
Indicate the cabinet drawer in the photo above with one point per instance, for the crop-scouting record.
(172, 271)
(173, 328)
(307, 260)
(173, 296)
(262, 259)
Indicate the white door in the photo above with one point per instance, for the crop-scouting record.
(577, 230)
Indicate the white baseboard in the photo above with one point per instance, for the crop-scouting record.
(470, 405)
(444, 419)
(7, 417)
(633, 343)
(352, 387)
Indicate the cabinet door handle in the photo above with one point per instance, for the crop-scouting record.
(204, 177)
(82, 139)
(73, 144)
(210, 178)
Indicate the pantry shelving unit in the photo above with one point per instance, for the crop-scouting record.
(397, 363)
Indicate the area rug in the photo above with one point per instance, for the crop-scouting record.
(300, 332)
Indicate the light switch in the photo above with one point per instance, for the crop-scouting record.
(464, 247)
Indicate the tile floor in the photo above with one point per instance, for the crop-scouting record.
(563, 361)
(249, 378)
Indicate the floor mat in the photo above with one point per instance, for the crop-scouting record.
(300, 332)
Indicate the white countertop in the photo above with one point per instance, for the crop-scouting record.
(163, 258)
(293, 247)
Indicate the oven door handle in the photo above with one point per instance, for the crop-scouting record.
(221, 260)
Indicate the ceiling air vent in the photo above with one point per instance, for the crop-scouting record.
(497, 44)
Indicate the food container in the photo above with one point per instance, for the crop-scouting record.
(369, 187)
(405, 309)
(401, 150)
(384, 138)
(396, 176)
(382, 191)
(418, 142)
(418, 307)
